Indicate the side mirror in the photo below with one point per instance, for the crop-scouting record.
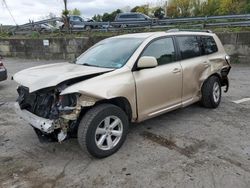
(147, 62)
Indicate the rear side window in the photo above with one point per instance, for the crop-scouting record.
(128, 16)
(209, 45)
(189, 46)
(162, 49)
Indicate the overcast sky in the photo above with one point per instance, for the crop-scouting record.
(23, 10)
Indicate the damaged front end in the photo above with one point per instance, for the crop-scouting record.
(53, 116)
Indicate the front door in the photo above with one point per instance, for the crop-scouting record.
(159, 89)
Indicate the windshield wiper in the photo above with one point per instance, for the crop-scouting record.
(90, 65)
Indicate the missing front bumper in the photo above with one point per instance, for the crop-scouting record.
(44, 125)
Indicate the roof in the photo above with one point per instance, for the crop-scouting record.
(139, 35)
(158, 34)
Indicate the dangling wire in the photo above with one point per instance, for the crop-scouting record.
(6, 6)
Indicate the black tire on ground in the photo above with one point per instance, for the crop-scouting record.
(93, 119)
(123, 26)
(208, 99)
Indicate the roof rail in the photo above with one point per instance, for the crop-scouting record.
(189, 30)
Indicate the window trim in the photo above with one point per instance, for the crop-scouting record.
(153, 40)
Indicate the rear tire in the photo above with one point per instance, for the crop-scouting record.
(211, 92)
(103, 130)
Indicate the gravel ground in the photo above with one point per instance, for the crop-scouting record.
(191, 147)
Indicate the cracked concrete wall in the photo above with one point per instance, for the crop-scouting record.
(237, 46)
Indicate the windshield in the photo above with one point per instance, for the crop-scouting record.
(110, 53)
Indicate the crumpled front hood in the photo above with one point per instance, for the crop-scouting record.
(53, 74)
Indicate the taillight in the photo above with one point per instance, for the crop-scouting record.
(227, 58)
(1, 65)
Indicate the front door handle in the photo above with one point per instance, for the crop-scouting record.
(176, 70)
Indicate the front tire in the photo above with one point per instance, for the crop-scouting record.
(211, 92)
(88, 28)
(103, 130)
(123, 26)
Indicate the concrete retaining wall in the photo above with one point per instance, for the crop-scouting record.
(56, 48)
(237, 46)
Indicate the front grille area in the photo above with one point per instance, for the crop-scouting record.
(38, 103)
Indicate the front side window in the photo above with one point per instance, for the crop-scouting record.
(140, 16)
(162, 49)
(110, 53)
(209, 45)
(123, 16)
(189, 46)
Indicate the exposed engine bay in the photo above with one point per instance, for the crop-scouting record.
(46, 103)
(53, 116)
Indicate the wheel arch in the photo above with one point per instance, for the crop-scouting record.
(214, 74)
(121, 102)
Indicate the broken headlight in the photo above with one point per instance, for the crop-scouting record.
(69, 100)
(65, 104)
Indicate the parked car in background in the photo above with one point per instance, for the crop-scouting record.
(123, 79)
(45, 27)
(3, 70)
(59, 24)
(133, 17)
(77, 22)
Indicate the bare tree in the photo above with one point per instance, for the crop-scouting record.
(65, 5)
(65, 14)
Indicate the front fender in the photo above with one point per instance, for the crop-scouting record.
(119, 83)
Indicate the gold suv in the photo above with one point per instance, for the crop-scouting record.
(123, 79)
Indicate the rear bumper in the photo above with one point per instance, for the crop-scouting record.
(44, 125)
(224, 77)
(3, 74)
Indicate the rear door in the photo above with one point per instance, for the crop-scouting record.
(159, 89)
(194, 64)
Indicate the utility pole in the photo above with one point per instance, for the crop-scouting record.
(166, 8)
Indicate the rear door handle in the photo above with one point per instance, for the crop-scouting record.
(176, 70)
